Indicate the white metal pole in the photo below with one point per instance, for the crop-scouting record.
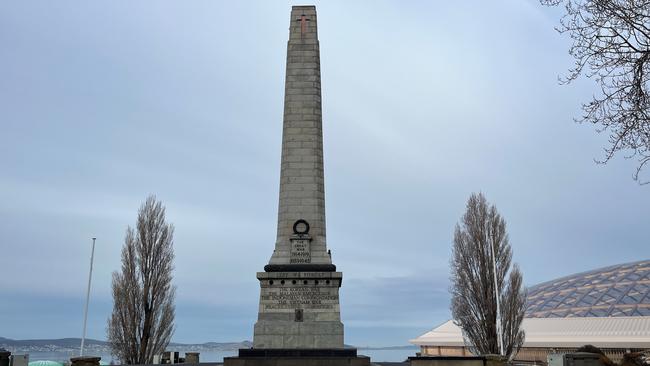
(496, 294)
(90, 276)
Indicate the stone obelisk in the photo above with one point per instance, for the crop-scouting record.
(299, 321)
(299, 300)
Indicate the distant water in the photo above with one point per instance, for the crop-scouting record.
(63, 356)
(388, 355)
(379, 355)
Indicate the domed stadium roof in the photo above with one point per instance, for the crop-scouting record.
(620, 290)
(45, 363)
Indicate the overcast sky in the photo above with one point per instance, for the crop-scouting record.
(103, 103)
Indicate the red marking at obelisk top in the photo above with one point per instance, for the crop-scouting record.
(303, 24)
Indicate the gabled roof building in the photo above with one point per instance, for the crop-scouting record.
(608, 308)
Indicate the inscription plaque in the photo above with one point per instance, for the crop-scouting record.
(300, 251)
(291, 298)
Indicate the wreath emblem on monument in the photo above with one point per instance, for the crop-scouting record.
(301, 227)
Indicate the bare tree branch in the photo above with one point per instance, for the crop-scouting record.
(611, 43)
(142, 322)
(474, 304)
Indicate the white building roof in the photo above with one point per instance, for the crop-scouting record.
(611, 332)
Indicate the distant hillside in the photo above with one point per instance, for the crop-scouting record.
(70, 344)
(210, 346)
(62, 342)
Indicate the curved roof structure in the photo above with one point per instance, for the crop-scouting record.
(45, 363)
(620, 290)
(617, 332)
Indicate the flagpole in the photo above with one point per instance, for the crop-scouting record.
(90, 276)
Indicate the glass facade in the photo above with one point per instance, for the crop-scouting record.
(620, 290)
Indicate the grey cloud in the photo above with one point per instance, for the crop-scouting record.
(105, 103)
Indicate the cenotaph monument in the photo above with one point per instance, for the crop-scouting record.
(299, 318)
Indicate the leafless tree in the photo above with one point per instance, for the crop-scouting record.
(611, 44)
(474, 304)
(142, 322)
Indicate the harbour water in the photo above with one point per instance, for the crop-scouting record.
(385, 355)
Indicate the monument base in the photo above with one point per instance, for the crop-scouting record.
(299, 310)
(297, 357)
